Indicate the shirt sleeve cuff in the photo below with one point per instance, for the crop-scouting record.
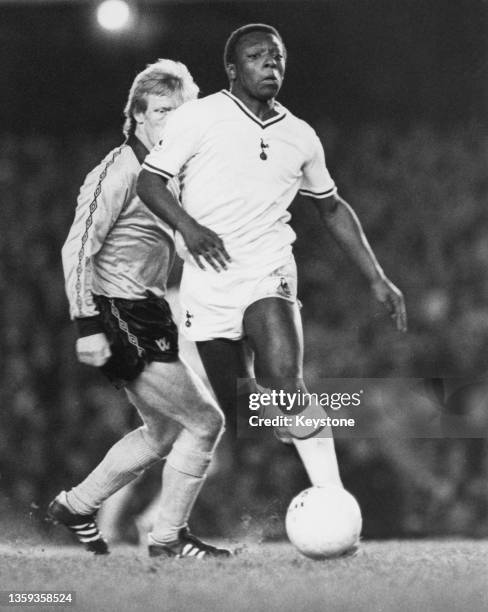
(319, 195)
(156, 170)
(88, 326)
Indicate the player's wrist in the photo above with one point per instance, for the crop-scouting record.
(378, 279)
(89, 326)
(184, 223)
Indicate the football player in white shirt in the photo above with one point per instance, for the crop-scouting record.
(116, 262)
(241, 158)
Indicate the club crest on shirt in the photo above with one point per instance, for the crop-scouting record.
(189, 317)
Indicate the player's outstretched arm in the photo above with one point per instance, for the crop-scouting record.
(345, 227)
(201, 241)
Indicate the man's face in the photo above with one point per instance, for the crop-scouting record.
(151, 122)
(259, 67)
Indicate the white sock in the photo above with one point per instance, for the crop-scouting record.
(178, 497)
(319, 459)
(124, 461)
(183, 478)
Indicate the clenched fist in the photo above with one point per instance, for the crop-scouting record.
(93, 350)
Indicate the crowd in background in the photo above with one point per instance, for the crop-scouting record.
(421, 195)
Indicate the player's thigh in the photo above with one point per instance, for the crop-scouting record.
(174, 391)
(274, 331)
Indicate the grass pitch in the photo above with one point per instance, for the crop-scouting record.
(431, 576)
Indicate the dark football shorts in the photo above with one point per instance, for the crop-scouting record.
(139, 331)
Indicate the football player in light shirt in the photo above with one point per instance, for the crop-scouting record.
(241, 158)
(116, 261)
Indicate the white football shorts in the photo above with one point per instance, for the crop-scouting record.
(213, 304)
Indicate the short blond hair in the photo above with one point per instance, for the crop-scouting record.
(163, 78)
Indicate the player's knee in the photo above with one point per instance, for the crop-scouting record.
(216, 422)
(212, 422)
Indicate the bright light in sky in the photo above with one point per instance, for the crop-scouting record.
(113, 14)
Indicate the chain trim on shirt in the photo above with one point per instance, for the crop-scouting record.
(88, 224)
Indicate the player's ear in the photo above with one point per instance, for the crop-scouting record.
(139, 116)
(230, 69)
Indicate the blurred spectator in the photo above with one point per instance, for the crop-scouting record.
(421, 195)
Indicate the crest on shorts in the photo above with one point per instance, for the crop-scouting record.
(284, 288)
(163, 344)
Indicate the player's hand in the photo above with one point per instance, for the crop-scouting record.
(204, 244)
(389, 295)
(93, 350)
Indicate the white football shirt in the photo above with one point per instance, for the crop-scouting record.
(238, 175)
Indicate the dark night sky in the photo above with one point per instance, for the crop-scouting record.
(349, 61)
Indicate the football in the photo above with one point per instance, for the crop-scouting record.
(324, 522)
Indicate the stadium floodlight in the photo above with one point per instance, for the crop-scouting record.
(113, 15)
